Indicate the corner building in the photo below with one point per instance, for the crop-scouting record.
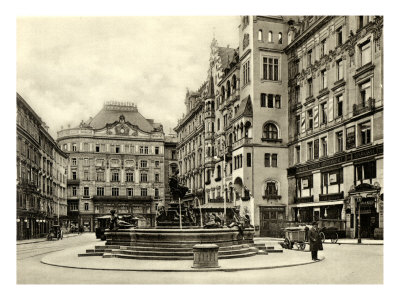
(288, 127)
(336, 122)
(116, 161)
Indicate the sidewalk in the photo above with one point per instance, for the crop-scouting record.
(41, 240)
(345, 241)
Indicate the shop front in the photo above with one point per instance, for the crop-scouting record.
(366, 209)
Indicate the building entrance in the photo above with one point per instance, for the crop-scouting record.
(272, 220)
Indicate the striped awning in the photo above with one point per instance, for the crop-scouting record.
(316, 204)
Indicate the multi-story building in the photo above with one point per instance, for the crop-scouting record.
(41, 176)
(336, 122)
(289, 126)
(116, 161)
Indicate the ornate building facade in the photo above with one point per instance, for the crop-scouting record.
(289, 126)
(116, 161)
(336, 122)
(41, 176)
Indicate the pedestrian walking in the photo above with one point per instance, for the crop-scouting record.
(315, 241)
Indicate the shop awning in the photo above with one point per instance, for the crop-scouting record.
(316, 204)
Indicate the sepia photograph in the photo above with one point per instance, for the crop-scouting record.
(231, 149)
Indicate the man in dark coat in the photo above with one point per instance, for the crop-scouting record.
(315, 241)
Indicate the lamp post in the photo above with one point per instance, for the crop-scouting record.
(358, 200)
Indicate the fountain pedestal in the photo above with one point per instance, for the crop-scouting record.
(205, 256)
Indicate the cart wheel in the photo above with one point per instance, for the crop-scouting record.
(334, 238)
(302, 246)
(322, 236)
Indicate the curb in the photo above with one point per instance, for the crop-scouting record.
(189, 270)
(41, 241)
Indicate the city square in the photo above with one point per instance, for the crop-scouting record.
(252, 153)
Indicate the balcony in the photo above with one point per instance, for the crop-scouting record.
(364, 107)
(242, 142)
(299, 200)
(272, 197)
(331, 197)
(73, 181)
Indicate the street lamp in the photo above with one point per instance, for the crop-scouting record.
(358, 200)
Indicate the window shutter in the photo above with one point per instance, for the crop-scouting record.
(303, 121)
(330, 109)
(316, 111)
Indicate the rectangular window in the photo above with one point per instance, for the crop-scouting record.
(143, 163)
(310, 118)
(86, 161)
(339, 68)
(274, 160)
(263, 100)
(146, 150)
(309, 87)
(86, 206)
(156, 177)
(267, 160)
(365, 132)
(297, 94)
(117, 149)
(249, 159)
(316, 149)
(339, 106)
(74, 149)
(270, 101)
(157, 150)
(365, 93)
(309, 55)
(115, 176)
(277, 101)
(365, 51)
(157, 164)
(339, 37)
(141, 150)
(100, 191)
(323, 47)
(324, 113)
(350, 137)
(246, 72)
(143, 177)
(310, 151)
(143, 192)
(298, 125)
(339, 141)
(73, 161)
(86, 191)
(129, 192)
(270, 68)
(74, 175)
(297, 150)
(97, 148)
(114, 191)
(156, 193)
(74, 191)
(324, 81)
(324, 147)
(129, 177)
(86, 175)
(99, 176)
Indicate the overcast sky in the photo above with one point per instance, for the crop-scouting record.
(67, 67)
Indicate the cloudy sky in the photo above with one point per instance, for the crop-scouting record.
(67, 67)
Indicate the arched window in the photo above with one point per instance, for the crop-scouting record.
(228, 89)
(223, 93)
(234, 82)
(270, 131)
(260, 36)
(218, 125)
(270, 37)
(280, 38)
(271, 188)
(219, 172)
